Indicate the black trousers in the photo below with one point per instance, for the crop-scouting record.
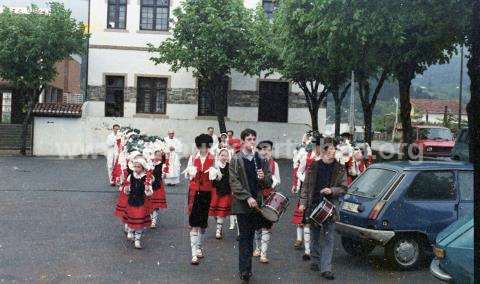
(247, 225)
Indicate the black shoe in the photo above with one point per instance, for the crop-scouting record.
(328, 275)
(306, 257)
(314, 267)
(238, 238)
(245, 276)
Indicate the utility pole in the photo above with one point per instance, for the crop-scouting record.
(351, 118)
(460, 91)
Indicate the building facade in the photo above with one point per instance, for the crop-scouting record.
(124, 86)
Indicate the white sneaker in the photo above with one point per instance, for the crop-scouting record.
(200, 253)
(263, 259)
(194, 260)
(232, 226)
(153, 225)
(130, 236)
(256, 253)
(218, 235)
(138, 245)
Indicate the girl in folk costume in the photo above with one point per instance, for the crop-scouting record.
(356, 165)
(138, 187)
(313, 153)
(200, 190)
(262, 236)
(221, 194)
(122, 200)
(158, 199)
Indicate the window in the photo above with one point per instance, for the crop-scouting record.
(269, 7)
(151, 95)
(114, 96)
(206, 101)
(372, 182)
(430, 185)
(273, 101)
(154, 15)
(53, 95)
(116, 14)
(465, 185)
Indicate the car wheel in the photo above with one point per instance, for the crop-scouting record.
(357, 247)
(405, 252)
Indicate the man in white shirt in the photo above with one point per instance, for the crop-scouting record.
(110, 151)
(211, 132)
(174, 146)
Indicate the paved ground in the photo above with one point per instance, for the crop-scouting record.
(57, 226)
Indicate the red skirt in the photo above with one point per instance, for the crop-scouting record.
(297, 217)
(121, 206)
(220, 205)
(158, 199)
(137, 218)
(116, 173)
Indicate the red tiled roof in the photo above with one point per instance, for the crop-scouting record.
(436, 106)
(58, 110)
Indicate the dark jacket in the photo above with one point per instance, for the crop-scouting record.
(338, 184)
(240, 187)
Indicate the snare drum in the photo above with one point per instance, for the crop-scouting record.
(322, 212)
(274, 206)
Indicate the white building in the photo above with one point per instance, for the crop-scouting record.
(125, 87)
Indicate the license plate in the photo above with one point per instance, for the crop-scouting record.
(348, 206)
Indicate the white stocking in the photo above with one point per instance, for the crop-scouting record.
(299, 233)
(194, 242)
(265, 241)
(258, 240)
(306, 237)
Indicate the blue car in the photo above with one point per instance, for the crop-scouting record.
(402, 206)
(454, 252)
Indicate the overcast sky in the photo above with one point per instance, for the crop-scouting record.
(79, 7)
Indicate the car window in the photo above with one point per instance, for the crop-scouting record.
(435, 134)
(465, 184)
(432, 185)
(372, 182)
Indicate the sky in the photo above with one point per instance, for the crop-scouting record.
(79, 8)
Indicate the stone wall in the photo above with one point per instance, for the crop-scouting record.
(236, 98)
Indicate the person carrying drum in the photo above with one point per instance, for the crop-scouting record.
(327, 179)
(262, 236)
(249, 175)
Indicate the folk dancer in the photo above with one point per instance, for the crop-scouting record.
(249, 175)
(112, 151)
(325, 179)
(222, 194)
(200, 193)
(263, 236)
(158, 200)
(138, 187)
(313, 153)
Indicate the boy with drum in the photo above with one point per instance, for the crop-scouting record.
(249, 175)
(327, 179)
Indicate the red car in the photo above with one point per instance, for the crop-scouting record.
(433, 141)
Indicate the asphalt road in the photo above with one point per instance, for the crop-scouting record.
(57, 226)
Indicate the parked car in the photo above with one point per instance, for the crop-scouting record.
(454, 252)
(460, 150)
(403, 206)
(432, 141)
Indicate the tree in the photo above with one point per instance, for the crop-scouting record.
(30, 46)
(338, 97)
(430, 31)
(210, 37)
(298, 42)
(364, 35)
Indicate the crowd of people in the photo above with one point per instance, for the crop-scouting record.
(232, 177)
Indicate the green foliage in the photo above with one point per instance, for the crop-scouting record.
(32, 43)
(210, 37)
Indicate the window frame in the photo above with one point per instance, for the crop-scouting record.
(116, 19)
(153, 89)
(155, 6)
(107, 89)
(454, 184)
(212, 103)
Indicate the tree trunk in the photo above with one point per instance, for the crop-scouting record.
(473, 117)
(217, 89)
(338, 115)
(31, 98)
(314, 117)
(367, 118)
(405, 77)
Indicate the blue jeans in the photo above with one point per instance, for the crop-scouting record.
(322, 245)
